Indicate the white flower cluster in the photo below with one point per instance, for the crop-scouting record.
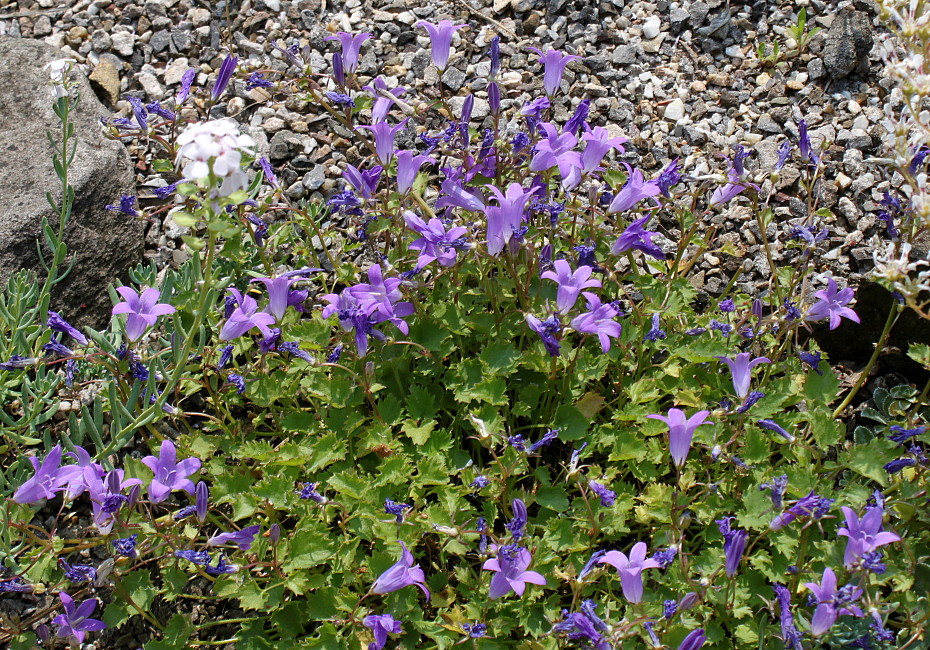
(57, 70)
(215, 146)
(895, 269)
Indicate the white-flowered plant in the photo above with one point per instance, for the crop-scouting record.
(214, 148)
(58, 71)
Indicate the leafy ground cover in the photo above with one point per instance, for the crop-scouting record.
(493, 412)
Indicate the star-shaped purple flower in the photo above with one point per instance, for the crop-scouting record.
(510, 571)
(143, 309)
(630, 569)
(402, 574)
(169, 474)
(831, 303)
(76, 621)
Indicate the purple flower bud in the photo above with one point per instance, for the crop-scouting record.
(186, 80)
(494, 97)
(223, 76)
(495, 54)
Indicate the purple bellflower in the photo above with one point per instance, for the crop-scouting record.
(694, 640)
(809, 505)
(597, 143)
(244, 317)
(202, 497)
(505, 218)
(865, 535)
(454, 194)
(605, 494)
(630, 569)
(831, 303)
(380, 627)
(186, 80)
(633, 191)
(435, 242)
(126, 206)
(379, 297)
(681, 431)
(547, 330)
(599, 319)
(402, 574)
(789, 633)
(77, 572)
(268, 172)
(143, 309)
(48, 479)
(734, 542)
(76, 621)
(828, 598)
(517, 525)
(804, 144)
(351, 46)
(279, 294)
(555, 149)
(570, 283)
(383, 97)
(364, 182)
(740, 368)
(106, 495)
(735, 184)
(241, 538)
(58, 324)
(510, 571)
(440, 37)
(223, 76)
(408, 165)
(637, 238)
(553, 63)
(383, 134)
(169, 474)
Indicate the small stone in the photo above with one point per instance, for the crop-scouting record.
(175, 71)
(843, 181)
(314, 178)
(815, 68)
(124, 43)
(273, 124)
(150, 85)
(653, 46)
(199, 16)
(42, 27)
(651, 28)
(454, 79)
(105, 80)
(861, 123)
(296, 190)
(77, 34)
(100, 40)
(675, 110)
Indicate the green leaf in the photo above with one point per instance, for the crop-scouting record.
(138, 586)
(919, 352)
(823, 388)
(552, 497)
(175, 636)
(418, 433)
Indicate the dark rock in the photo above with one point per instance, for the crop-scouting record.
(677, 19)
(279, 147)
(102, 244)
(453, 78)
(698, 12)
(847, 41)
(719, 27)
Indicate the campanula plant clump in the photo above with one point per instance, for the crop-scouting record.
(482, 406)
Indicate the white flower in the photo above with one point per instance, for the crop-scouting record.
(219, 143)
(57, 70)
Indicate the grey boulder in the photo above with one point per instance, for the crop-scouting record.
(103, 244)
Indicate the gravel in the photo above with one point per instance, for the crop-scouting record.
(679, 79)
